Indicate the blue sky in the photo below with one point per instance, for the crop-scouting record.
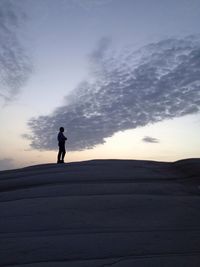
(122, 77)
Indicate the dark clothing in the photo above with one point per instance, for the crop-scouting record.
(61, 139)
(61, 144)
(61, 154)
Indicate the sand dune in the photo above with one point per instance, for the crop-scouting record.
(101, 213)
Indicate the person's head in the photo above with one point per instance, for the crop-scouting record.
(62, 129)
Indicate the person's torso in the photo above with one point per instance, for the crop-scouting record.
(61, 138)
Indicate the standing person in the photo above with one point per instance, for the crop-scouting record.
(61, 144)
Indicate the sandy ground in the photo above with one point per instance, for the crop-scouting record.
(117, 213)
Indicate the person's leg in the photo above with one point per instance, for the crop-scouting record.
(59, 155)
(63, 155)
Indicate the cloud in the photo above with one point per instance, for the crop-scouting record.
(132, 89)
(98, 55)
(15, 66)
(6, 164)
(149, 139)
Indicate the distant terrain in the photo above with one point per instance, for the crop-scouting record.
(120, 213)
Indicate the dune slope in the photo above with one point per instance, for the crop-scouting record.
(101, 213)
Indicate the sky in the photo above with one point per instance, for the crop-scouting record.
(121, 76)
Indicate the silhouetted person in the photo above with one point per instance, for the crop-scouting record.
(61, 144)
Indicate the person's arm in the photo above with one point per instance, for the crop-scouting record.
(63, 137)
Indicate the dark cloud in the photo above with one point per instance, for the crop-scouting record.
(160, 81)
(15, 65)
(6, 164)
(149, 139)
